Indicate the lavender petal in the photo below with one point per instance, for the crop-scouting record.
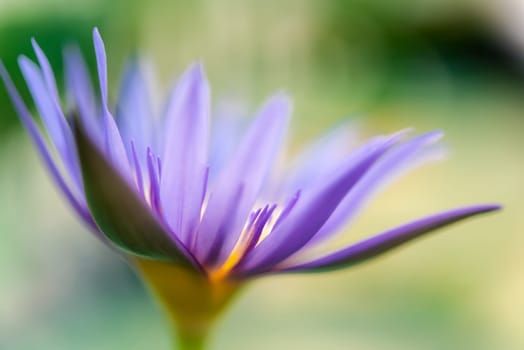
(384, 242)
(53, 118)
(249, 168)
(184, 162)
(80, 92)
(385, 169)
(312, 211)
(114, 146)
(75, 200)
(321, 157)
(134, 112)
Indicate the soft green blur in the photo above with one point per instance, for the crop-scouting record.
(454, 65)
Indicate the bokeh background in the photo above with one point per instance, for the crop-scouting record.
(451, 64)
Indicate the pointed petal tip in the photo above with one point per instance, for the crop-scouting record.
(435, 135)
(198, 64)
(70, 49)
(281, 104)
(24, 60)
(283, 97)
(97, 39)
(35, 45)
(196, 72)
(401, 135)
(396, 136)
(388, 240)
(194, 76)
(485, 208)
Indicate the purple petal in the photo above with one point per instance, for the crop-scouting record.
(113, 145)
(213, 256)
(257, 227)
(229, 125)
(121, 214)
(101, 63)
(53, 117)
(288, 208)
(385, 168)
(249, 168)
(154, 179)
(80, 90)
(137, 168)
(312, 211)
(76, 203)
(185, 154)
(134, 114)
(388, 240)
(46, 69)
(322, 157)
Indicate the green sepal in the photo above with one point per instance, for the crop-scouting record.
(120, 213)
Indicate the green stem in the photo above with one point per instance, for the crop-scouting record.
(191, 340)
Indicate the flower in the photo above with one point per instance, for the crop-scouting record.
(144, 186)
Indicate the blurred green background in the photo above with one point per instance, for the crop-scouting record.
(456, 65)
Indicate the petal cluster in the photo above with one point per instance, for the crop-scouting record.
(141, 177)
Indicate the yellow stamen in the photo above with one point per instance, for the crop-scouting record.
(238, 252)
(240, 247)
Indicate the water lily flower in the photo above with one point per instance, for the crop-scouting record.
(142, 182)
